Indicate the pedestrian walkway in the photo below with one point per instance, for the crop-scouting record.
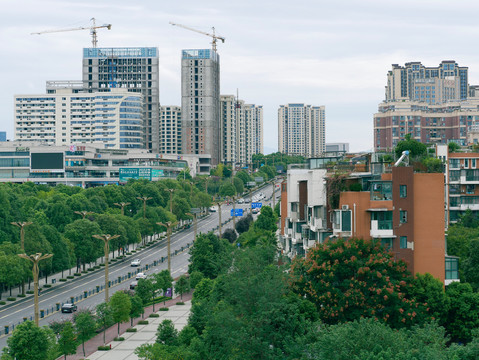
(146, 334)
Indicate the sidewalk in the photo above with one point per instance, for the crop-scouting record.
(124, 350)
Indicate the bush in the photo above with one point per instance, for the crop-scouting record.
(131, 330)
(29, 292)
(62, 280)
(47, 286)
(2, 302)
(180, 303)
(91, 269)
(133, 251)
(84, 271)
(103, 348)
(154, 315)
(22, 295)
(70, 277)
(102, 264)
(118, 339)
(112, 260)
(128, 253)
(77, 274)
(11, 299)
(164, 309)
(143, 322)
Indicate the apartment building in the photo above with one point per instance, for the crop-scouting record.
(200, 103)
(170, 130)
(135, 69)
(66, 115)
(301, 130)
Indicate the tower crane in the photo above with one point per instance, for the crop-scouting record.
(213, 36)
(92, 28)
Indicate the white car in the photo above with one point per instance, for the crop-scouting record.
(212, 209)
(140, 276)
(240, 201)
(136, 262)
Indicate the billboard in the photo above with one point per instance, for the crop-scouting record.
(47, 162)
(134, 173)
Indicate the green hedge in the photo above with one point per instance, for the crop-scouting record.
(103, 348)
(70, 277)
(131, 330)
(164, 309)
(154, 315)
(62, 280)
(143, 322)
(118, 339)
(11, 298)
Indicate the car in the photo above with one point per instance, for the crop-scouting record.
(136, 262)
(68, 308)
(240, 201)
(246, 201)
(140, 276)
(255, 210)
(212, 209)
(133, 285)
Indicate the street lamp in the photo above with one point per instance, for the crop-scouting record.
(234, 212)
(219, 203)
(168, 226)
(122, 206)
(144, 199)
(106, 238)
(84, 214)
(22, 225)
(194, 213)
(35, 259)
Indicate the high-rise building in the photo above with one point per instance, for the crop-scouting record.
(242, 130)
(433, 85)
(170, 130)
(65, 116)
(200, 103)
(301, 129)
(133, 69)
(3, 136)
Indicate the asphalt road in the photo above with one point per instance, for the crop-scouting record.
(62, 292)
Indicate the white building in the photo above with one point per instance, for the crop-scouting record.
(68, 116)
(301, 130)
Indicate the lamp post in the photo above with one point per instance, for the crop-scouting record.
(35, 259)
(122, 206)
(84, 214)
(168, 226)
(219, 214)
(144, 199)
(22, 225)
(274, 192)
(234, 213)
(106, 239)
(194, 213)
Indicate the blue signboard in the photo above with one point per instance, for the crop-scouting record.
(256, 205)
(238, 212)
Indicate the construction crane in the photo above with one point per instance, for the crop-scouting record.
(92, 28)
(214, 36)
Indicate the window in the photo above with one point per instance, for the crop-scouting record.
(452, 268)
(403, 242)
(402, 216)
(402, 191)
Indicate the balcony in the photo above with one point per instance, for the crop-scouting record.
(381, 229)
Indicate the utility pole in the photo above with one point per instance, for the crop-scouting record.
(106, 239)
(168, 226)
(219, 214)
(194, 213)
(122, 206)
(35, 259)
(171, 199)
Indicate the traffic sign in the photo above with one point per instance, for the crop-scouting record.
(256, 205)
(238, 212)
(258, 179)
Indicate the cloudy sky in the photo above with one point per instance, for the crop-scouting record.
(332, 53)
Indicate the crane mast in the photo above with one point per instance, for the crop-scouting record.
(92, 29)
(213, 36)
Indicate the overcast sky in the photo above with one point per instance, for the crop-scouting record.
(332, 53)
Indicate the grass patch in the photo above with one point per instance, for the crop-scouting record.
(11, 298)
(143, 322)
(131, 330)
(118, 339)
(103, 348)
(154, 315)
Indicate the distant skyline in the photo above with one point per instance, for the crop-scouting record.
(276, 52)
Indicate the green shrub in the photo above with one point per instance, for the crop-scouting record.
(22, 295)
(70, 277)
(180, 303)
(118, 339)
(131, 330)
(62, 280)
(133, 251)
(30, 292)
(103, 348)
(128, 253)
(154, 315)
(2, 302)
(164, 309)
(77, 274)
(112, 260)
(11, 298)
(102, 264)
(91, 269)
(47, 286)
(84, 271)
(143, 322)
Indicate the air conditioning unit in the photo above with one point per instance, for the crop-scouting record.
(345, 207)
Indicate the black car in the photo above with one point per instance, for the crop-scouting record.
(68, 308)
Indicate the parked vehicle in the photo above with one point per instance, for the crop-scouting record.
(140, 276)
(136, 262)
(212, 209)
(68, 308)
(133, 285)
